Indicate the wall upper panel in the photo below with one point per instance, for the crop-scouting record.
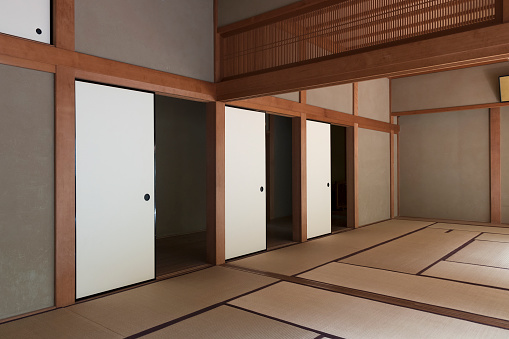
(231, 11)
(172, 36)
(468, 86)
(337, 98)
(293, 96)
(374, 98)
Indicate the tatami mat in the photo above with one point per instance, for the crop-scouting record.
(414, 252)
(351, 317)
(298, 258)
(226, 322)
(472, 228)
(490, 276)
(486, 253)
(55, 325)
(455, 295)
(144, 307)
(494, 237)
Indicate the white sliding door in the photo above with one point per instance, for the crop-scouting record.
(114, 188)
(245, 224)
(30, 19)
(318, 178)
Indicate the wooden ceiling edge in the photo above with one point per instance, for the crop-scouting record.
(290, 108)
(25, 53)
(460, 50)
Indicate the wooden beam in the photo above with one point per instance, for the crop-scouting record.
(451, 109)
(352, 169)
(495, 167)
(29, 64)
(63, 24)
(465, 49)
(215, 183)
(65, 193)
(299, 179)
(117, 73)
(294, 109)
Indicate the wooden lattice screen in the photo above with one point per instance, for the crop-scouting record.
(347, 26)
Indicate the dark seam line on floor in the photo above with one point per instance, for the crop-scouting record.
(405, 303)
(498, 242)
(448, 255)
(469, 263)
(320, 333)
(422, 275)
(321, 337)
(380, 244)
(453, 222)
(357, 252)
(193, 314)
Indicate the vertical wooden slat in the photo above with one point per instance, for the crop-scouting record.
(299, 179)
(303, 97)
(392, 173)
(217, 47)
(215, 182)
(505, 10)
(355, 98)
(65, 192)
(270, 170)
(63, 24)
(495, 167)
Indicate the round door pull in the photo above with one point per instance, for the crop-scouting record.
(328, 185)
(147, 197)
(261, 189)
(38, 31)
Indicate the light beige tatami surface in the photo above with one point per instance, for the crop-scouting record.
(360, 296)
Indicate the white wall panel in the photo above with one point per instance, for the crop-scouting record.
(245, 224)
(318, 178)
(114, 172)
(28, 19)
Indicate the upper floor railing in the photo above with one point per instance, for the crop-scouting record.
(348, 26)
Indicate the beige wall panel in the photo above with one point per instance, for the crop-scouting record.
(338, 98)
(173, 36)
(293, 96)
(396, 211)
(468, 86)
(504, 161)
(374, 99)
(27, 191)
(445, 165)
(181, 166)
(231, 11)
(374, 176)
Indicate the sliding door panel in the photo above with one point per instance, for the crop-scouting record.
(318, 178)
(30, 19)
(114, 188)
(245, 224)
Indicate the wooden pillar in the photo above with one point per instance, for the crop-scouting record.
(65, 248)
(495, 169)
(63, 24)
(299, 179)
(503, 6)
(270, 170)
(391, 135)
(303, 97)
(215, 182)
(352, 155)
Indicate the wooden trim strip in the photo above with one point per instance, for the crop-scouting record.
(303, 97)
(453, 221)
(295, 109)
(299, 179)
(25, 315)
(65, 238)
(415, 305)
(451, 109)
(355, 109)
(392, 173)
(215, 183)
(495, 167)
(63, 24)
(38, 66)
(109, 71)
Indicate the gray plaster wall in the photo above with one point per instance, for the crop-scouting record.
(180, 166)
(230, 11)
(374, 173)
(445, 165)
(173, 36)
(27, 191)
(337, 98)
(374, 99)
